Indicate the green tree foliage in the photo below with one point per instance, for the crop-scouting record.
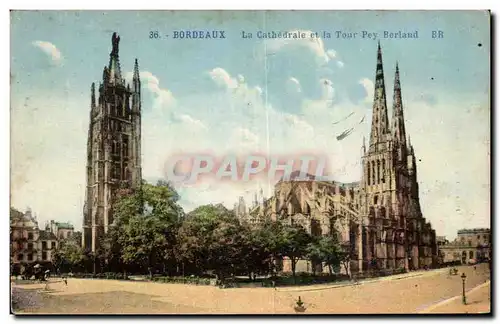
(69, 256)
(211, 238)
(326, 249)
(145, 224)
(292, 241)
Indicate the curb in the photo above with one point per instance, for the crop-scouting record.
(367, 281)
(449, 300)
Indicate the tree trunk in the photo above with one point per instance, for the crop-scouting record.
(346, 267)
(330, 270)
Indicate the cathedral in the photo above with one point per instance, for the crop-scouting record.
(378, 219)
(113, 146)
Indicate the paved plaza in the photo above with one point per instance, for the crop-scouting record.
(432, 291)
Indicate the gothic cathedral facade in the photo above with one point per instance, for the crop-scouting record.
(113, 146)
(378, 218)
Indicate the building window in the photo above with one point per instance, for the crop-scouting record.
(30, 246)
(30, 257)
(479, 237)
(383, 171)
(373, 172)
(30, 236)
(378, 171)
(20, 257)
(44, 255)
(471, 254)
(125, 146)
(470, 243)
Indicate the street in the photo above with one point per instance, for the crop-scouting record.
(416, 292)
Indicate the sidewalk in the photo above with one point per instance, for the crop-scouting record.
(478, 302)
(364, 281)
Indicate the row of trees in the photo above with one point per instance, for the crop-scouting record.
(151, 233)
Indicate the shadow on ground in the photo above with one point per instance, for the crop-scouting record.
(43, 301)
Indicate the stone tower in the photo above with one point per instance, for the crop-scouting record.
(113, 146)
(385, 183)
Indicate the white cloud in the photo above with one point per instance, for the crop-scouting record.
(237, 85)
(245, 134)
(369, 88)
(314, 45)
(190, 121)
(163, 97)
(340, 64)
(222, 78)
(50, 49)
(331, 54)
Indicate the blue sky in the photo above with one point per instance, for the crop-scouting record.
(214, 95)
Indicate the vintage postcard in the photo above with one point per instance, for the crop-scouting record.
(250, 162)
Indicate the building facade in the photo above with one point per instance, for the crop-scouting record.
(61, 230)
(470, 246)
(113, 146)
(29, 244)
(378, 218)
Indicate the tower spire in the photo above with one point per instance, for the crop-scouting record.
(379, 116)
(136, 78)
(92, 95)
(115, 75)
(398, 123)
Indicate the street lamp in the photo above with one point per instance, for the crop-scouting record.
(463, 276)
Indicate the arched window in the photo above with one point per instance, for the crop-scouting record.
(471, 254)
(383, 171)
(373, 172)
(307, 209)
(369, 174)
(378, 171)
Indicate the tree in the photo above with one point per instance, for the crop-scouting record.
(257, 250)
(292, 241)
(69, 256)
(211, 238)
(326, 249)
(345, 257)
(145, 226)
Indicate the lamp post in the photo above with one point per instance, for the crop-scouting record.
(463, 276)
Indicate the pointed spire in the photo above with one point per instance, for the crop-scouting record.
(380, 120)
(114, 61)
(92, 95)
(136, 78)
(398, 123)
(136, 70)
